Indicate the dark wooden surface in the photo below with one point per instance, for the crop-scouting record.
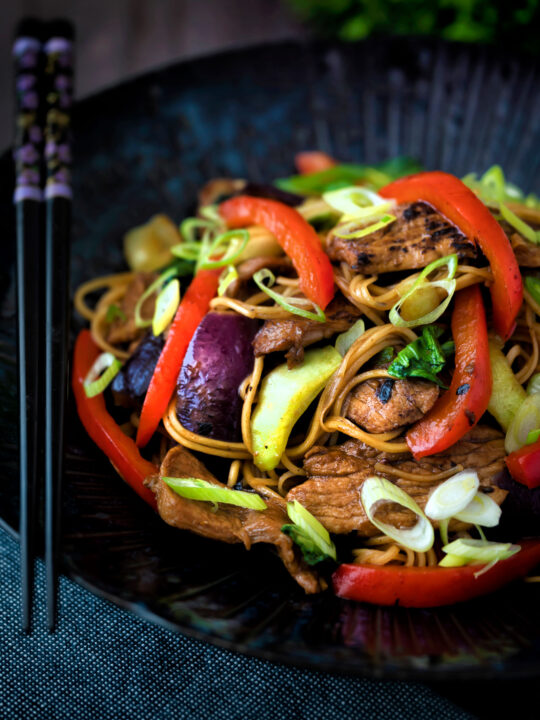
(120, 38)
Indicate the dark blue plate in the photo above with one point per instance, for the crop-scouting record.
(146, 147)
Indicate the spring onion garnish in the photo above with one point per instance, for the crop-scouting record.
(357, 202)
(448, 285)
(452, 496)
(424, 357)
(526, 419)
(211, 212)
(190, 227)
(532, 284)
(113, 312)
(102, 372)
(492, 188)
(478, 552)
(196, 489)
(308, 533)
(520, 225)
(363, 231)
(482, 510)
(532, 437)
(265, 274)
(166, 306)
(234, 242)
(154, 287)
(533, 386)
(347, 338)
(374, 491)
(228, 276)
(187, 251)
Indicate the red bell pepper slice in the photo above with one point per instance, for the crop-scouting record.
(524, 465)
(313, 161)
(104, 431)
(295, 235)
(191, 311)
(461, 206)
(467, 398)
(425, 587)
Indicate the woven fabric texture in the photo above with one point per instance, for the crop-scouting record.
(104, 663)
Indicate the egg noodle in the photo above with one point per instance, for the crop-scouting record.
(373, 301)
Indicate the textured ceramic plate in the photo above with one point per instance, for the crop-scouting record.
(145, 147)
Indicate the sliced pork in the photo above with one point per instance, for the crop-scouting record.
(336, 476)
(382, 404)
(229, 523)
(296, 333)
(419, 236)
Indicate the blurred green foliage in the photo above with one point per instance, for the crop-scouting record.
(510, 23)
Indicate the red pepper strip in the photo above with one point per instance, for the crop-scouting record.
(313, 161)
(119, 448)
(524, 465)
(190, 312)
(467, 398)
(295, 235)
(422, 587)
(461, 206)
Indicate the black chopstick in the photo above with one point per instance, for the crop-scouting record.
(27, 51)
(58, 82)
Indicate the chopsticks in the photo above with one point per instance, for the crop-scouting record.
(58, 82)
(43, 66)
(27, 199)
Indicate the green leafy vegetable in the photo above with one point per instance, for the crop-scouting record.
(532, 284)
(309, 534)
(113, 312)
(424, 357)
(342, 175)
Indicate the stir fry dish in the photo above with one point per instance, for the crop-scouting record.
(344, 365)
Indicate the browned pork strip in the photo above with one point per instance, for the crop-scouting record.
(296, 333)
(336, 475)
(419, 236)
(383, 404)
(123, 329)
(229, 523)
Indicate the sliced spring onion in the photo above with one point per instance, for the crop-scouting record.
(520, 225)
(448, 284)
(452, 496)
(190, 227)
(374, 491)
(493, 188)
(102, 372)
(532, 437)
(363, 231)
(234, 242)
(307, 532)
(526, 419)
(113, 312)
(482, 510)
(479, 551)
(154, 287)
(228, 276)
(357, 202)
(197, 489)
(187, 251)
(533, 386)
(265, 274)
(533, 286)
(211, 212)
(346, 339)
(166, 306)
